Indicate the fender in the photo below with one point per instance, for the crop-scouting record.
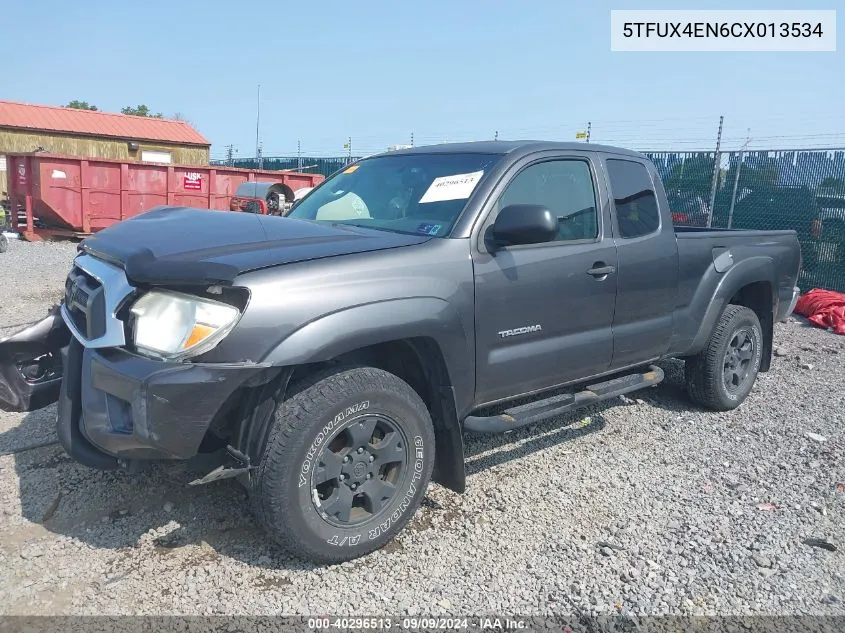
(380, 322)
(712, 303)
(400, 319)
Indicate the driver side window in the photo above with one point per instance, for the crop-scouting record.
(564, 187)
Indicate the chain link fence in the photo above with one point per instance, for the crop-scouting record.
(803, 190)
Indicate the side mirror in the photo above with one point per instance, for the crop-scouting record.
(524, 224)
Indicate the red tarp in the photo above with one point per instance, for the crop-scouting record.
(824, 309)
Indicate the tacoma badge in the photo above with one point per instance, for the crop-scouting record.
(520, 330)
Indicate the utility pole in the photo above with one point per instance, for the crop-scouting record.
(589, 126)
(716, 164)
(230, 155)
(736, 177)
(412, 139)
(349, 145)
(257, 123)
(299, 155)
(260, 157)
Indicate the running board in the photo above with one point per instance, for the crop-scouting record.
(526, 414)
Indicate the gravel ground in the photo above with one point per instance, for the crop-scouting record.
(640, 506)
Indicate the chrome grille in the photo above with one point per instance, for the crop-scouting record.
(93, 292)
(84, 303)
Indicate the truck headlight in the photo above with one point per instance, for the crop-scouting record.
(176, 325)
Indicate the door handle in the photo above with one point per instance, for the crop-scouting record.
(601, 271)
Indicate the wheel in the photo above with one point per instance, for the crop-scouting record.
(721, 376)
(252, 207)
(4, 243)
(275, 201)
(348, 458)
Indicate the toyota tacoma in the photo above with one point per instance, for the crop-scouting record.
(332, 359)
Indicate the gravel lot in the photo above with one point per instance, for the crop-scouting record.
(643, 506)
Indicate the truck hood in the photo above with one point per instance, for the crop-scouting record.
(179, 245)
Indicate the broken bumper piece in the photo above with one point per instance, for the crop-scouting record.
(30, 368)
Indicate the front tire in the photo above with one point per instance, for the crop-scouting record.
(349, 456)
(721, 376)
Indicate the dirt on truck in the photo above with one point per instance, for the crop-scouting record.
(332, 359)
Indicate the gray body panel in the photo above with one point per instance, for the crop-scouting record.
(545, 285)
(754, 256)
(663, 299)
(314, 311)
(516, 321)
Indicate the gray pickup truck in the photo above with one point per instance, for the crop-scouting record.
(331, 360)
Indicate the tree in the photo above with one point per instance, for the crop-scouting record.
(694, 175)
(141, 110)
(762, 175)
(81, 105)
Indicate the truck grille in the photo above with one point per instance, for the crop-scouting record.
(85, 303)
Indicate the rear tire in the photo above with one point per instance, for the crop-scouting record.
(721, 376)
(275, 201)
(348, 458)
(4, 243)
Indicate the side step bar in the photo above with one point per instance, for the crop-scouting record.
(531, 412)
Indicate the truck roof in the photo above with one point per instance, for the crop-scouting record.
(507, 147)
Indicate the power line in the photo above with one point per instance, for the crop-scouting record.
(664, 134)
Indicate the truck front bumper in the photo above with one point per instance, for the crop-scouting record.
(116, 405)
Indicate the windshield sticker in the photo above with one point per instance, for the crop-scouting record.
(349, 170)
(429, 229)
(457, 187)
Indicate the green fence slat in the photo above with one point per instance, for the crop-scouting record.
(801, 190)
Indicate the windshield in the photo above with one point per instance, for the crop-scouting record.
(421, 194)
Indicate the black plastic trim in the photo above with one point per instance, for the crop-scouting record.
(30, 371)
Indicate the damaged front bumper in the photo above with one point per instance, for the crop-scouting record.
(114, 405)
(133, 408)
(30, 365)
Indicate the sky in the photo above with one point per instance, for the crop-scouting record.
(379, 72)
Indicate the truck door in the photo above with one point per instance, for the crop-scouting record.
(648, 265)
(544, 311)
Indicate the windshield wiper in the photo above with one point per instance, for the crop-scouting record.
(376, 228)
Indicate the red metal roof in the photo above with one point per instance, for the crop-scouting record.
(71, 121)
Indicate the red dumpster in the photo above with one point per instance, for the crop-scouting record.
(72, 196)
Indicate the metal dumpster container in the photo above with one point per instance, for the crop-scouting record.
(68, 196)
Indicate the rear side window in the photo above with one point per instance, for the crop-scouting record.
(633, 197)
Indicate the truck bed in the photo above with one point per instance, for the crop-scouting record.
(705, 254)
